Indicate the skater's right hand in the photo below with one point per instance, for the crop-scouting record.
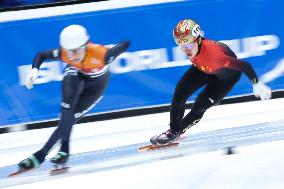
(31, 78)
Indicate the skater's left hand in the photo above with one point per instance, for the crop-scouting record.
(261, 91)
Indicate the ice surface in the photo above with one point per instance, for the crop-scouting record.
(108, 150)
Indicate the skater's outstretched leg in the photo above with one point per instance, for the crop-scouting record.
(191, 81)
(89, 97)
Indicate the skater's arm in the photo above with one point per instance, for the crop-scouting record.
(260, 90)
(115, 51)
(40, 57)
(38, 60)
(249, 71)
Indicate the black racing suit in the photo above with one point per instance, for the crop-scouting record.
(80, 93)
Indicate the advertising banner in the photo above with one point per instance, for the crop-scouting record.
(146, 75)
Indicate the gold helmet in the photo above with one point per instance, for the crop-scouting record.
(186, 31)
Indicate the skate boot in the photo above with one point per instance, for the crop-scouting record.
(165, 138)
(59, 165)
(60, 158)
(29, 163)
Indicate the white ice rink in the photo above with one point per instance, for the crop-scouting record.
(255, 129)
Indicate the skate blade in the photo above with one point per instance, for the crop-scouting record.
(58, 169)
(16, 173)
(20, 171)
(156, 147)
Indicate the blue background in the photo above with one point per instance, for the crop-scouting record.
(147, 27)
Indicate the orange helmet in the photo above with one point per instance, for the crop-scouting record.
(186, 31)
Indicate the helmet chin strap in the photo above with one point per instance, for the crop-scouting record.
(199, 44)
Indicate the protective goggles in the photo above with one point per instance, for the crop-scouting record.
(187, 47)
(77, 50)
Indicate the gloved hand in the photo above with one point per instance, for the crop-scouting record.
(261, 91)
(31, 78)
